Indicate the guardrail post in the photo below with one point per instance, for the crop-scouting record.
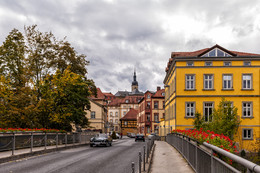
(140, 160)
(45, 141)
(133, 167)
(57, 140)
(31, 141)
(13, 142)
(144, 158)
(66, 139)
(73, 138)
(147, 152)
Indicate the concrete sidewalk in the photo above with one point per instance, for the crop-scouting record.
(167, 159)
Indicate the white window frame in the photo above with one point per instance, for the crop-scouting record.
(189, 109)
(208, 63)
(247, 134)
(227, 81)
(93, 115)
(229, 63)
(156, 120)
(116, 114)
(111, 114)
(189, 63)
(208, 81)
(189, 82)
(247, 108)
(206, 112)
(247, 86)
(247, 63)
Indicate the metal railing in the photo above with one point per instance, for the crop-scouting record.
(201, 158)
(22, 140)
(143, 159)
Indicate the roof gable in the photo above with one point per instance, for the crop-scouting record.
(131, 115)
(217, 51)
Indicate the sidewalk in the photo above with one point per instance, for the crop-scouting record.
(167, 159)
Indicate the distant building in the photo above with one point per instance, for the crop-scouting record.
(129, 122)
(121, 103)
(196, 81)
(151, 110)
(97, 115)
(135, 91)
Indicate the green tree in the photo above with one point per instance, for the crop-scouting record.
(225, 120)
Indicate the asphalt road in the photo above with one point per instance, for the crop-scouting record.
(115, 159)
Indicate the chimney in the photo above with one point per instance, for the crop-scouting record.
(158, 88)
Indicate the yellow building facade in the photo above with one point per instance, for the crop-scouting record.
(197, 81)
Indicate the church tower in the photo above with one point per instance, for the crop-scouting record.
(134, 83)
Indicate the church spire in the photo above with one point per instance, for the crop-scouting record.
(134, 83)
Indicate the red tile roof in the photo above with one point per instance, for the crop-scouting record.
(159, 93)
(108, 94)
(115, 101)
(100, 95)
(131, 115)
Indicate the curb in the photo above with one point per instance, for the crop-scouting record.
(34, 153)
(151, 160)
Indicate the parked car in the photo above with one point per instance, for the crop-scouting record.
(139, 137)
(101, 139)
(131, 135)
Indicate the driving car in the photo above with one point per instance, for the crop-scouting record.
(139, 137)
(101, 139)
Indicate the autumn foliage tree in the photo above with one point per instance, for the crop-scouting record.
(43, 82)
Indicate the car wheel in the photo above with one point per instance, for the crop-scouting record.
(110, 144)
(91, 145)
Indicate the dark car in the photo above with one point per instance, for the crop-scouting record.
(101, 139)
(139, 137)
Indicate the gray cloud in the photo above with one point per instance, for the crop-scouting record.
(120, 35)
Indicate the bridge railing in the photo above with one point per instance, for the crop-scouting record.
(201, 158)
(22, 140)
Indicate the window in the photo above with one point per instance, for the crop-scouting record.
(116, 128)
(247, 108)
(190, 81)
(111, 121)
(227, 81)
(216, 53)
(190, 109)
(125, 123)
(111, 114)
(156, 117)
(247, 81)
(163, 94)
(156, 104)
(124, 112)
(148, 117)
(127, 101)
(190, 63)
(116, 114)
(247, 63)
(93, 115)
(208, 109)
(247, 133)
(208, 81)
(148, 96)
(116, 121)
(148, 129)
(227, 63)
(148, 105)
(208, 63)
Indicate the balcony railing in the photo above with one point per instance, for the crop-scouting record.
(201, 158)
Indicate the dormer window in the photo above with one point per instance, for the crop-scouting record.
(163, 94)
(127, 101)
(208, 63)
(216, 53)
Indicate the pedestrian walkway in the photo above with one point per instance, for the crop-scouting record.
(167, 159)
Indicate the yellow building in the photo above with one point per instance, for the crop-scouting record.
(197, 81)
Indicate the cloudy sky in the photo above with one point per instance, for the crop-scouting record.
(120, 35)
